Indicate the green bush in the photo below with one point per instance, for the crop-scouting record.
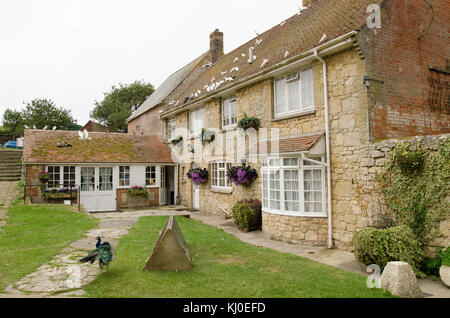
(381, 246)
(431, 265)
(247, 215)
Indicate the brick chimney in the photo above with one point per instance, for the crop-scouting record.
(216, 45)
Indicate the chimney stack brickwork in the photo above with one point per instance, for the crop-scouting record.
(216, 45)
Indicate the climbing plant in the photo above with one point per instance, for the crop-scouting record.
(415, 183)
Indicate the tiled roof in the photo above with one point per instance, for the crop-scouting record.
(167, 87)
(285, 145)
(40, 146)
(288, 39)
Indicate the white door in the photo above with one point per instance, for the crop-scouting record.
(195, 197)
(105, 194)
(163, 187)
(88, 193)
(97, 191)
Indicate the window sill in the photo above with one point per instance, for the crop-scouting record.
(294, 115)
(301, 215)
(222, 190)
(229, 127)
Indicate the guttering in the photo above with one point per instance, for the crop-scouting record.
(327, 139)
(333, 46)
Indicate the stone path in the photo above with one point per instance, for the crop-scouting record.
(8, 192)
(63, 276)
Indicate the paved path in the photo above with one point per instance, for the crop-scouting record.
(8, 192)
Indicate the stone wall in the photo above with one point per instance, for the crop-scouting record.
(33, 190)
(137, 202)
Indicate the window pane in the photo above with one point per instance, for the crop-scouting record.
(280, 96)
(293, 96)
(307, 89)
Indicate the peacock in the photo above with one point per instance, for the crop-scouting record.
(104, 253)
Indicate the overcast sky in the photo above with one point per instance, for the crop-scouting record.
(73, 51)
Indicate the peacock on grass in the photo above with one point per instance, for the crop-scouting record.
(104, 253)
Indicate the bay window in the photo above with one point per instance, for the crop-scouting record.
(293, 186)
(294, 93)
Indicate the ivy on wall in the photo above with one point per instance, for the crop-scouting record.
(416, 187)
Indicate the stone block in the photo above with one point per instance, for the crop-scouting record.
(399, 279)
(444, 273)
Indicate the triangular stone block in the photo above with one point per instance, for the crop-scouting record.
(170, 252)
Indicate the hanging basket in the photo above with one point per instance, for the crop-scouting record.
(198, 175)
(242, 175)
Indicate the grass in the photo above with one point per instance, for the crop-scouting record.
(223, 267)
(34, 234)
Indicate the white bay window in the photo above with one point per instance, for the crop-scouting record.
(293, 186)
(294, 93)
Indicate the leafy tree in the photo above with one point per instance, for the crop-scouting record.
(13, 122)
(44, 112)
(39, 113)
(119, 103)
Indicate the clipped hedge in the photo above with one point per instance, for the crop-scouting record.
(381, 246)
(247, 215)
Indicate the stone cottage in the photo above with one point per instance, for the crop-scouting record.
(331, 86)
(100, 168)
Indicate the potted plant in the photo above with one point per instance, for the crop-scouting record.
(137, 191)
(249, 122)
(242, 175)
(198, 175)
(44, 176)
(247, 215)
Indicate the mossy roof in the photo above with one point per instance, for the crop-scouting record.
(41, 146)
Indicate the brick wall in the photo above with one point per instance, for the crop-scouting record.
(398, 62)
(125, 202)
(147, 124)
(32, 178)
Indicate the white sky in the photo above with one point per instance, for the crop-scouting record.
(72, 51)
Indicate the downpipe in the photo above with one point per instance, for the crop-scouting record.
(327, 139)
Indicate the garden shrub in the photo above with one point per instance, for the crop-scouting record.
(247, 215)
(431, 265)
(381, 246)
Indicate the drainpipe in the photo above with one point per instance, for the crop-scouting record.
(327, 139)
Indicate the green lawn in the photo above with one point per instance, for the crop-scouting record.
(34, 234)
(223, 267)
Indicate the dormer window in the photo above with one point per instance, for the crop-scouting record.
(294, 93)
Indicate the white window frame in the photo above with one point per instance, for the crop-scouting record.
(215, 171)
(301, 108)
(122, 175)
(229, 122)
(171, 126)
(61, 179)
(149, 171)
(196, 122)
(301, 167)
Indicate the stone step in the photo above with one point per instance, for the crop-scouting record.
(11, 173)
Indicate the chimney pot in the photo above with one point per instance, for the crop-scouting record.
(216, 45)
